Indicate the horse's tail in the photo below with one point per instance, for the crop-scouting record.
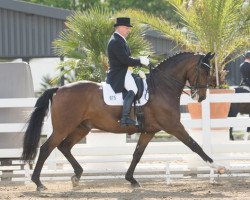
(35, 123)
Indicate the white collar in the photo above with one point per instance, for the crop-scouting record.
(121, 36)
(247, 60)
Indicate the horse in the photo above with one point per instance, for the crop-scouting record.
(79, 107)
(242, 108)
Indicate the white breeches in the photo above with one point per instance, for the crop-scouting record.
(129, 83)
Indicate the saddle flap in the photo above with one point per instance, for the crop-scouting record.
(116, 99)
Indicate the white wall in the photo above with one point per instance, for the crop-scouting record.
(41, 67)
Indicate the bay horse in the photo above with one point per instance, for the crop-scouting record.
(79, 107)
(236, 108)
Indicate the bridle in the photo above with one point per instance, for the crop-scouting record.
(195, 88)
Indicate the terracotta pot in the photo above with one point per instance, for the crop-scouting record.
(217, 110)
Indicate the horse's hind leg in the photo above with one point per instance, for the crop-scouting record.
(66, 146)
(140, 147)
(45, 151)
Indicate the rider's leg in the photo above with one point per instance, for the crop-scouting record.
(131, 87)
(129, 83)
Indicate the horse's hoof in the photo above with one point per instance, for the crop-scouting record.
(75, 181)
(135, 185)
(41, 188)
(221, 170)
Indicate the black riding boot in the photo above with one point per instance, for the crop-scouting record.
(127, 103)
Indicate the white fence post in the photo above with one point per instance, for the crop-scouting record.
(206, 123)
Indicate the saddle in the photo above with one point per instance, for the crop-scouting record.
(116, 99)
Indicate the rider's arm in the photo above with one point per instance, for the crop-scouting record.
(119, 50)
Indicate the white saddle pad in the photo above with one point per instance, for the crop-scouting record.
(115, 99)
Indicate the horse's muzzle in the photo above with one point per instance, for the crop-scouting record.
(201, 98)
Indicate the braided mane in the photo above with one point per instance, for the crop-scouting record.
(169, 60)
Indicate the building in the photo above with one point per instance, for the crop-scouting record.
(28, 30)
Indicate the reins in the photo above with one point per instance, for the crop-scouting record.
(168, 78)
(176, 82)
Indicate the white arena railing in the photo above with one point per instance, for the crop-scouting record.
(105, 153)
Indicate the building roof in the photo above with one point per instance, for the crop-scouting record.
(35, 9)
(27, 30)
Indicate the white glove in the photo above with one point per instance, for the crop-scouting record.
(144, 60)
(142, 74)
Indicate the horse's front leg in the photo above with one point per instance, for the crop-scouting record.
(184, 137)
(140, 147)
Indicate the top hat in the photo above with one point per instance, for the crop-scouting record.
(123, 21)
(247, 55)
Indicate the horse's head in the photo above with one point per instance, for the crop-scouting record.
(176, 70)
(198, 77)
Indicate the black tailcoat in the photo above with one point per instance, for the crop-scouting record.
(119, 61)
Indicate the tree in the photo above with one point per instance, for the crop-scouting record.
(85, 40)
(157, 7)
(79, 5)
(220, 26)
(66, 4)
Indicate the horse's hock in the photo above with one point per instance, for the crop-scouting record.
(15, 82)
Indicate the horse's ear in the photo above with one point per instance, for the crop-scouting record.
(211, 55)
(208, 56)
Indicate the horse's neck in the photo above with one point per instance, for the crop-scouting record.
(170, 77)
(176, 71)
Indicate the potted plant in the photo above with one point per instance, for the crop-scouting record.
(222, 27)
(219, 26)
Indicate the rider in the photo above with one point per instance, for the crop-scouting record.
(245, 70)
(119, 76)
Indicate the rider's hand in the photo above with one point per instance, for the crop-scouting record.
(142, 74)
(144, 60)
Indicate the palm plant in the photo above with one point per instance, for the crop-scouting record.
(49, 82)
(46, 84)
(85, 40)
(220, 26)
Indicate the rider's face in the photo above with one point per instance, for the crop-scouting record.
(123, 30)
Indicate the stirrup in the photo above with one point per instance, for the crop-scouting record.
(126, 121)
